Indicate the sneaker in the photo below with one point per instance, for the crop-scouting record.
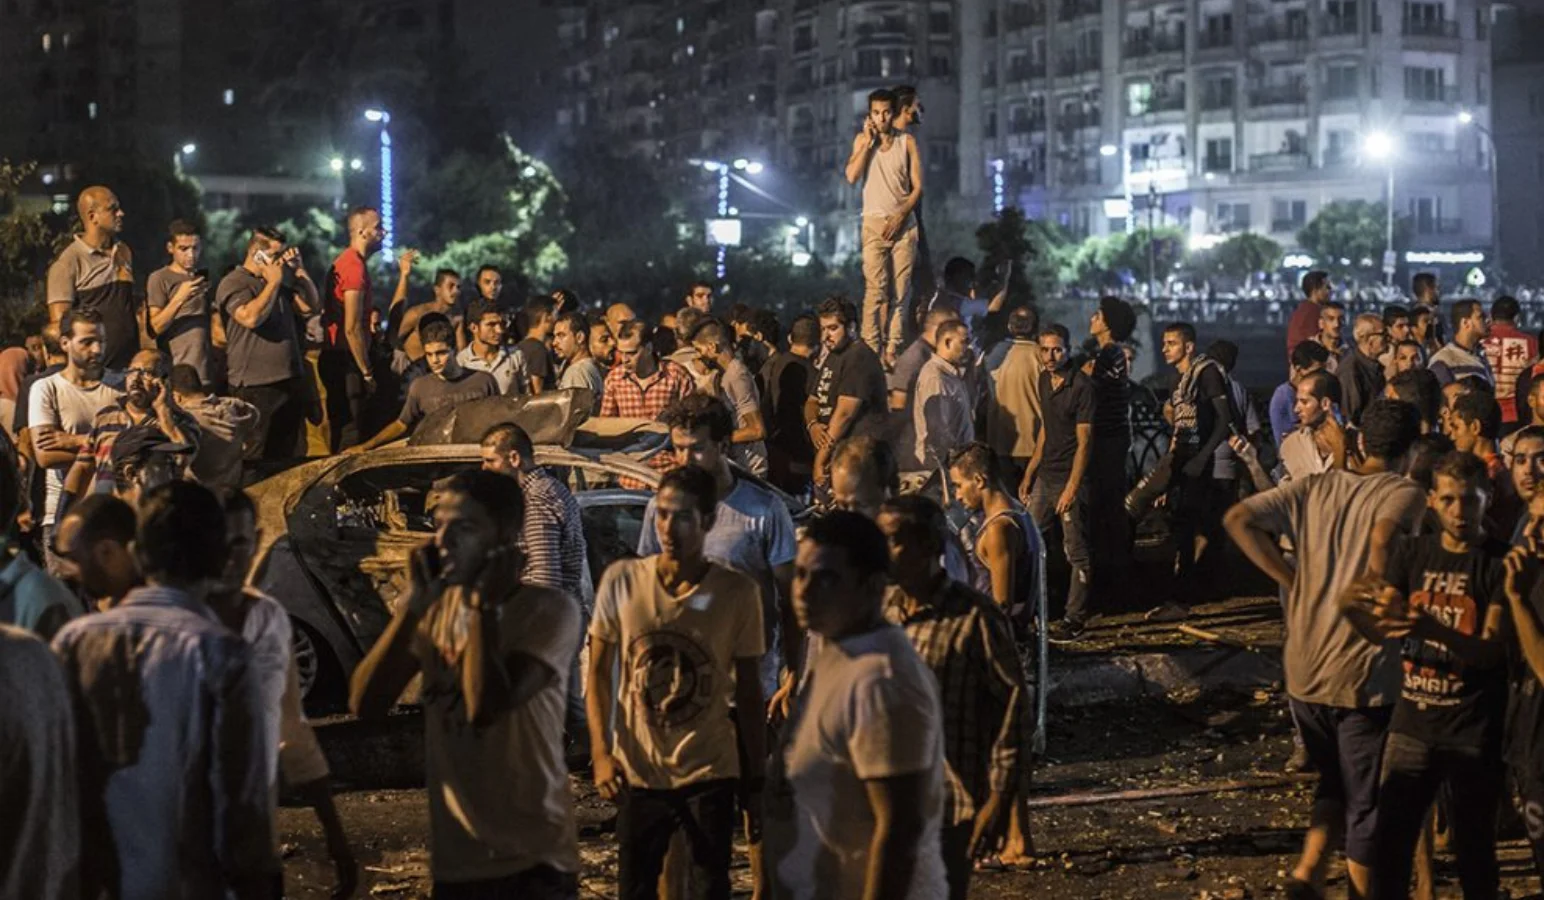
(1168, 612)
(1298, 761)
(1065, 632)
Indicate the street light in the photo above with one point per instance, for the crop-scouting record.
(356, 164)
(1466, 118)
(1108, 149)
(1380, 145)
(749, 167)
(388, 217)
(336, 164)
(187, 149)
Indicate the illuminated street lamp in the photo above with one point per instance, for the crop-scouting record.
(1466, 119)
(388, 216)
(336, 164)
(722, 169)
(1380, 146)
(187, 149)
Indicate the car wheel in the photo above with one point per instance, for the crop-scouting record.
(316, 670)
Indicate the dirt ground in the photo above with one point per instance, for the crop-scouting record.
(1230, 834)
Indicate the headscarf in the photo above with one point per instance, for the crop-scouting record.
(14, 363)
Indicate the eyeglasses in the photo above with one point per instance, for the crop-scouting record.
(148, 373)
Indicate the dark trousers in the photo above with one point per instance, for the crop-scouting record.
(1347, 747)
(957, 862)
(1196, 506)
(537, 883)
(1110, 549)
(1073, 526)
(648, 819)
(1412, 772)
(1529, 776)
(345, 387)
(281, 418)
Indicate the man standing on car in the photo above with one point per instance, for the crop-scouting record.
(494, 653)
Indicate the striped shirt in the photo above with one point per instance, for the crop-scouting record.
(553, 537)
(1453, 362)
(966, 640)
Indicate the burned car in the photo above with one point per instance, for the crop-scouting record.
(335, 534)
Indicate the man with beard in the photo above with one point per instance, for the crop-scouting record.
(736, 387)
(62, 408)
(943, 410)
(1055, 484)
(849, 395)
(1319, 443)
(344, 364)
(146, 398)
(447, 385)
(571, 345)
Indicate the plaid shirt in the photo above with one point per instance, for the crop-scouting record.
(553, 536)
(967, 642)
(630, 398)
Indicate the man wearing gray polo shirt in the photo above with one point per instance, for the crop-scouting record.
(96, 272)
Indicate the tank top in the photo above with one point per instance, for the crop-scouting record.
(887, 183)
(1028, 571)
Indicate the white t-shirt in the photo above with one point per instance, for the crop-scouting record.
(678, 656)
(499, 801)
(1300, 456)
(867, 709)
(56, 401)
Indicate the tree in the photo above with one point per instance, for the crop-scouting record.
(1239, 257)
(1348, 237)
(29, 241)
(1121, 260)
(1028, 245)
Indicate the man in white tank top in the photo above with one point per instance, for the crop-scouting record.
(891, 170)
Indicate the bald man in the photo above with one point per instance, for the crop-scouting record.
(1360, 372)
(617, 315)
(96, 272)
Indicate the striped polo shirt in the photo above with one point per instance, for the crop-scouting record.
(85, 277)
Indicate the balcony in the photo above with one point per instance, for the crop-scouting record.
(1023, 15)
(889, 32)
(1431, 95)
(1217, 99)
(1026, 72)
(1280, 31)
(1433, 225)
(1437, 28)
(1145, 45)
(1278, 95)
(1217, 164)
(1071, 121)
(1285, 161)
(1287, 226)
(1173, 101)
(1335, 26)
(1215, 39)
(1026, 125)
(1076, 9)
(1338, 158)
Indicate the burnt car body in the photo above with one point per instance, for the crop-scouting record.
(335, 534)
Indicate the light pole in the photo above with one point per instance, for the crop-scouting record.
(388, 212)
(185, 150)
(722, 169)
(1380, 146)
(1152, 250)
(1465, 117)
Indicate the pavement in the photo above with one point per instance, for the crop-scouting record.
(1161, 779)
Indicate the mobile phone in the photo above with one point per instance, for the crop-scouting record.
(262, 257)
(202, 273)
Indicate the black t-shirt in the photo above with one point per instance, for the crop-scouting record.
(1062, 411)
(538, 363)
(1443, 702)
(788, 378)
(1112, 394)
(853, 371)
(1525, 701)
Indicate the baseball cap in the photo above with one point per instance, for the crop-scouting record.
(144, 438)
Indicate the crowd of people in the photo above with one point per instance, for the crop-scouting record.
(850, 694)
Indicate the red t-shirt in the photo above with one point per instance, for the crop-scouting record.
(1509, 351)
(1303, 325)
(348, 273)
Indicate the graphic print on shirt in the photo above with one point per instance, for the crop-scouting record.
(1434, 677)
(672, 678)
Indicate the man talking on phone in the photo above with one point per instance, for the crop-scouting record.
(261, 300)
(494, 654)
(177, 301)
(890, 167)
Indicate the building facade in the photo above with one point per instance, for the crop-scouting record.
(1223, 116)
(1519, 139)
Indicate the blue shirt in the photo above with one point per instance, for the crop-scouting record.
(31, 598)
(1283, 411)
(170, 721)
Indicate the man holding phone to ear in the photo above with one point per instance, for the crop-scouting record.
(177, 301)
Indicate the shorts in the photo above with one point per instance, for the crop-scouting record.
(1346, 747)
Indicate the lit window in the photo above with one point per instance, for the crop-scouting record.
(230, 97)
(91, 110)
(48, 42)
(680, 26)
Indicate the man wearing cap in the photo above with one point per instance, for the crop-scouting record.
(144, 458)
(146, 398)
